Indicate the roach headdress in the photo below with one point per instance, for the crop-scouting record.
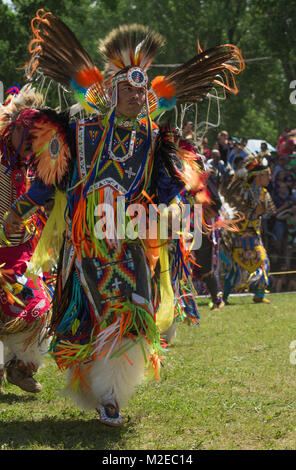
(128, 51)
(129, 46)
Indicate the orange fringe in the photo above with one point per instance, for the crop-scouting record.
(230, 224)
(229, 68)
(78, 375)
(34, 45)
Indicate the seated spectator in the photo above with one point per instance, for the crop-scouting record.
(223, 145)
(216, 164)
(281, 193)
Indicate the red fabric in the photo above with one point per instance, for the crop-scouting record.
(207, 153)
(16, 257)
(285, 145)
(33, 295)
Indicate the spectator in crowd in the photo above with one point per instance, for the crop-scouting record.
(238, 150)
(283, 201)
(265, 154)
(238, 164)
(291, 227)
(293, 190)
(291, 252)
(281, 163)
(216, 164)
(264, 150)
(231, 142)
(284, 282)
(244, 143)
(226, 162)
(223, 145)
(286, 142)
(204, 149)
(188, 133)
(289, 180)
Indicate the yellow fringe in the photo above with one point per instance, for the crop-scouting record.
(165, 313)
(48, 248)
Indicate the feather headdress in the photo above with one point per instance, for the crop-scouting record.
(11, 92)
(128, 52)
(26, 98)
(56, 50)
(132, 45)
(193, 80)
(57, 54)
(254, 166)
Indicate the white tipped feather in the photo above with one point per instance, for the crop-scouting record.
(139, 46)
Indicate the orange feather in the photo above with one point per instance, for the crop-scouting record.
(162, 88)
(88, 76)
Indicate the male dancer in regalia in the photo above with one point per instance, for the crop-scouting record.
(110, 305)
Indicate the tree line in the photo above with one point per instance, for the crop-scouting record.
(264, 30)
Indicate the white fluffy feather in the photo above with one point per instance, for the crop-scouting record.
(15, 346)
(227, 212)
(113, 381)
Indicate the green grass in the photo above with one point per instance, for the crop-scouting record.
(227, 384)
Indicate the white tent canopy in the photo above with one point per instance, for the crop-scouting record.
(254, 145)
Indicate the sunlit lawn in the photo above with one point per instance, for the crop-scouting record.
(226, 384)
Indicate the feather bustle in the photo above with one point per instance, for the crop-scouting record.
(194, 79)
(56, 50)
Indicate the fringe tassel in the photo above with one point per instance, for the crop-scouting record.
(68, 354)
(48, 248)
(135, 321)
(185, 307)
(71, 323)
(165, 313)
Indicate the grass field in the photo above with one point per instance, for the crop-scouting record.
(227, 384)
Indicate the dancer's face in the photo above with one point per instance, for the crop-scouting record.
(263, 179)
(130, 99)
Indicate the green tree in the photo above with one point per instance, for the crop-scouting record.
(262, 29)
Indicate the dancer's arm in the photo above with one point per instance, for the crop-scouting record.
(26, 205)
